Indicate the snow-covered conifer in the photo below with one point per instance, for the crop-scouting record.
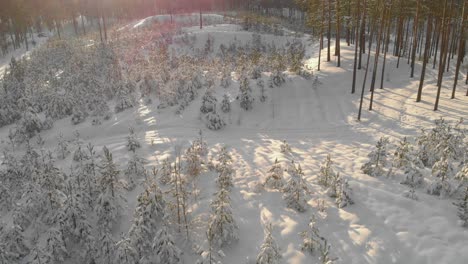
(55, 245)
(208, 102)
(413, 176)
(284, 147)
(132, 141)
(223, 227)
(462, 206)
(225, 104)
(377, 159)
(326, 172)
(166, 172)
(311, 239)
(105, 246)
(62, 147)
(125, 253)
(125, 97)
(108, 201)
(274, 177)
(193, 161)
(214, 121)
(164, 248)
(226, 79)
(269, 250)
(261, 85)
(135, 170)
(343, 192)
(246, 98)
(295, 188)
(277, 78)
(14, 244)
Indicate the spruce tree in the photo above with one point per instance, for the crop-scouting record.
(224, 230)
(125, 253)
(462, 206)
(164, 248)
(377, 159)
(274, 177)
(295, 188)
(132, 142)
(326, 172)
(269, 251)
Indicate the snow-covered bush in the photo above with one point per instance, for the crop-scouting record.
(343, 193)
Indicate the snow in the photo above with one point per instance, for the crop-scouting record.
(381, 226)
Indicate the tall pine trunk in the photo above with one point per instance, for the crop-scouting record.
(461, 47)
(376, 56)
(387, 41)
(356, 44)
(338, 36)
(425, 57)
(415, 35)
(442, 54)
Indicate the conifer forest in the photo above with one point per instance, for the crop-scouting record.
(233, 131)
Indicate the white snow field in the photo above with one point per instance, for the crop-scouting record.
(381, 226)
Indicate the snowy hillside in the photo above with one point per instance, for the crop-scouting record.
(304, 120)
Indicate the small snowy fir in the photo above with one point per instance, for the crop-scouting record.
(225, 104)
(164, 248)
(214, 121)
(411, 194)
(343, 192)
(274, 177)
(246, 98)
(311, 239)
(222, 227)
(462, 205)
(135, 170)
(269, 250)
(132, 141)
(285, 148)
(295, 189)
(166, 172)
(208, 102)
(326, 174)
(377, 159)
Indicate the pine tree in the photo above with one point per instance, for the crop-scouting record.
(224, 230)
(108, 201)
(311, 239)
(164, 248)
(55, 245)
(135, 170)
(226, 79)
(166, 172)
(285, 148)
(377, 159)
(14, 244)
(105, 247)
(274, 177)
(62, 147)
(343, 197)
(225, 104)
(402, 154)
(208, 102)
(214, 121)
(125, 253)
(132, 141)
(269, 251)
(295, 188)
(125, 97)
(246, 99)
(193, 161)
(326, 172)
(462, 206)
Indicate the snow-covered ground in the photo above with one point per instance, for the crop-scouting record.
(316, 120)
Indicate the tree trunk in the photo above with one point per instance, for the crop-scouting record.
(461, 46)
(362, 39)
(338, 35)
(387, 41)
(356, 44)
(415, 35)
(425, 57)
(442, 58)
(364, 82)
(83, 24)
(376, 56)
(329, 30)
